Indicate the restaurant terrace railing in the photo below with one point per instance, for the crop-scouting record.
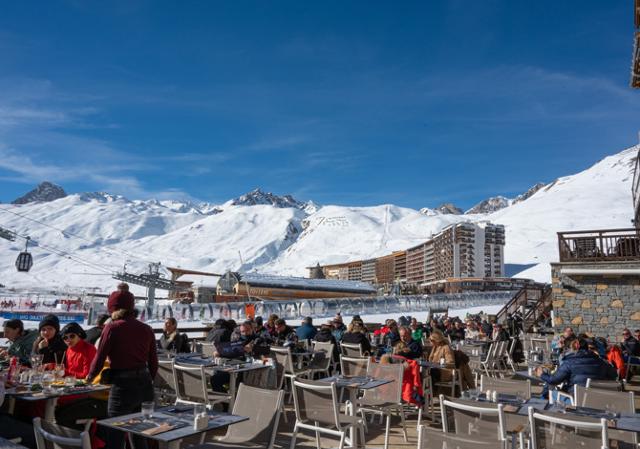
(599, 246)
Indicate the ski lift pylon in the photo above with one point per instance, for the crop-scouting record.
(24, 262)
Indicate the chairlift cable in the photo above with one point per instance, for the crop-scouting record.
(71, 234)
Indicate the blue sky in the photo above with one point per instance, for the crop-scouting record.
(354, 103)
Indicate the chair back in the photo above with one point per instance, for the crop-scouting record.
(390, 393)
(263, 408)
(554, 430)
(191, 384)
(507, 386)
(283, 357)
(206, 349)
(351, 350)
(53, 436)
(354, 366)
(429, 438)
(316, 402)
(465, 418)
(540, 344)
(612, 401)
(164, 378)
(325, 346)
(611, 385)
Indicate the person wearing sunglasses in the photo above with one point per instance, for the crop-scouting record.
(78, 360)
(79, 353)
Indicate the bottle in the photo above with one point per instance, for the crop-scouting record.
(13, 368)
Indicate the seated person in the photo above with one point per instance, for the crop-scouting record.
(21, 341)
(456, 333)
(306, 331)
(392, 336)
(577, 366)
(499, 333)
(49, 344)
(630, 346)
(325, 335)
(411, 349)
(441, 351)
(285, 335)
(171, 339)
(355, 335)
(417, 330)
(80, 353)
(94, 333)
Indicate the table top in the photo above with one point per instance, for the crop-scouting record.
(175, 414)
(28, 395)
(428, 364)
(359, 382)
(621, 421)
(235, 367)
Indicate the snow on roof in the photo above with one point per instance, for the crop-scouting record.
(268, 280)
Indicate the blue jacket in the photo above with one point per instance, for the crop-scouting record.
(306, 332)
(577, 367)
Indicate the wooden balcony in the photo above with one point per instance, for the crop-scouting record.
(599, 246)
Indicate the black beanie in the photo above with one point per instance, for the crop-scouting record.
(74, 328)
(50, 320)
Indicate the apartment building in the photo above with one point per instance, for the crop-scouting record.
(461, 250)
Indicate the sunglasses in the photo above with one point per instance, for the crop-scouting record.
(69, 337)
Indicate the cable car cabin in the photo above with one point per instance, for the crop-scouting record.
(24, 262)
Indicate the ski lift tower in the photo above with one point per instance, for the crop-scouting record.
(152, 280)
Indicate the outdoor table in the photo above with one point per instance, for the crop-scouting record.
(6, 444)
(629, 422)
(525, 374)
(234, 369)
(179, 417)
(51, 397)
(353, 385)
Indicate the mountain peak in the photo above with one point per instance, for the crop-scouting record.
(490, 205)
(257, 196)
(44, 192)
(449, 209)
(529, 193)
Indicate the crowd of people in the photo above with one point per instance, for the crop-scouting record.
(122, 351)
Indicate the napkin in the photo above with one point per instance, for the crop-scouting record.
(164, 427)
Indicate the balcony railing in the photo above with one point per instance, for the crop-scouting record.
(603, 245)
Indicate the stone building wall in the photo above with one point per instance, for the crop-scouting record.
(601, 305)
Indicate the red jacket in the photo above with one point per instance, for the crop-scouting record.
(79, 358)
(615, 357)
(412, 392)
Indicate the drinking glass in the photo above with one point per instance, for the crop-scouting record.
(47, 379)
(36, 360)
(147, 409)
(59, 372)
(69, 381)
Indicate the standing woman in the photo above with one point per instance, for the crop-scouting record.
(131, 348)
(49, 343)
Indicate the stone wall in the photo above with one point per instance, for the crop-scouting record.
(599, 305)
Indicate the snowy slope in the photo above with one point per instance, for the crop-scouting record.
(105, 231)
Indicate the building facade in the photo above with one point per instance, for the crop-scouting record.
(462, 250)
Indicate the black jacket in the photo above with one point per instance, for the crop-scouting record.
(219, 335)
(179, 343)
(56, 349)
(326, 336)
(577, 367)
(631, 346)
(93, 334)
(357, 338)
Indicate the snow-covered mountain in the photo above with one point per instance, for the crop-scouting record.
(45, 191)
(84, 237)
(489, 205)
